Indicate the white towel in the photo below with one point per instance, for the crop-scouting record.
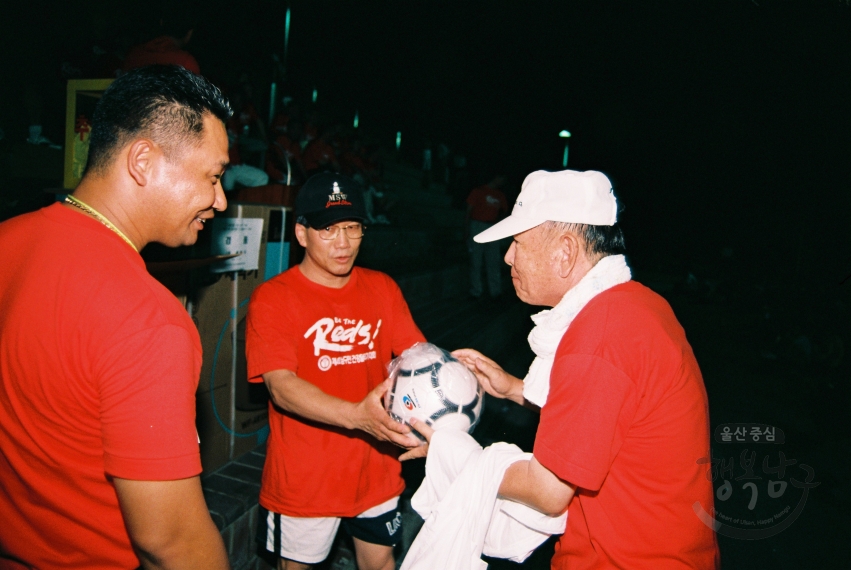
(463, 516)
(550, 325)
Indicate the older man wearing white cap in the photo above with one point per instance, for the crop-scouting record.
(624, 415)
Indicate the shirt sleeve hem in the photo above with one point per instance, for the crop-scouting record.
(567, 470)
(255, 374)
(149, 469)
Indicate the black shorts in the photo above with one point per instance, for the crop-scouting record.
(384, 529)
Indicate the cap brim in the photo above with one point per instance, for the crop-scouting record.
(510, 226)
(331, 216)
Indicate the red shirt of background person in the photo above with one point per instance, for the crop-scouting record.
(244, 116)
(164, 50)
(280, 122)
(319, 154)
(353, 160)
(177, 26)
(487, 203)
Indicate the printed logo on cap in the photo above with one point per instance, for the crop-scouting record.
(337, 198)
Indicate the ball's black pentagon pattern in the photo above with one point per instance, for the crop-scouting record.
(468, 410)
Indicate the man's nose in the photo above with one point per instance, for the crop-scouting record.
(220, 203)
(509, 255)
(342, 240)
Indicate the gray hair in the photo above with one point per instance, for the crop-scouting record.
(599, 240)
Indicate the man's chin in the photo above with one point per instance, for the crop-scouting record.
(345, 271)
(181, 241)
(522, 296)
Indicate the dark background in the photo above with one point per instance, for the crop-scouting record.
(724, 123)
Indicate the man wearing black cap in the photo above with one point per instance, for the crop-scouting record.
(319, 336)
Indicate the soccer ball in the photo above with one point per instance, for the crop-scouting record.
(432, 386)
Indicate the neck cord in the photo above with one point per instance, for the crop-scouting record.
(77, 203)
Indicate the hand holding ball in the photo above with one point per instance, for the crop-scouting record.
(429, 384)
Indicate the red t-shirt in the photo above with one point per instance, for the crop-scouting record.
(486, 204)
(98, 369)
(340, 340)
(626, 421)
(316, 154)
(246, 117)
(161, 51)
(352, 163)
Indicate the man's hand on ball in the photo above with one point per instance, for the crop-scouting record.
(493, 379)
(426, 431)
(370, 416)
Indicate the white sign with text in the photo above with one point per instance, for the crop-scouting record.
(237, 235)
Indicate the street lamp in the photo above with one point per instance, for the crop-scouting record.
(565, 135)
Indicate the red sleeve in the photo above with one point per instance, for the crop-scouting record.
(190, 63)
(588, 412)
(332, 156)
(270, 340)
(130, 61)
(309, 156)
(405, 331)
(473, 197)
(147, 386)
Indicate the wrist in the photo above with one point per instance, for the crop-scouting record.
(516, 392)
(347, 415)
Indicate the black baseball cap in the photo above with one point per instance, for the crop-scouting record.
(327, 198)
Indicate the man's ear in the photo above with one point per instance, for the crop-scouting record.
(301, 235)
(568, 249)
(141, 158)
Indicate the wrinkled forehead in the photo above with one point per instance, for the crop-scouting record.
(532, 234)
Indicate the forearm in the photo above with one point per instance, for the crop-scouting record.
(202, 549)
(530, 483)
(169, 524)
(304, 399)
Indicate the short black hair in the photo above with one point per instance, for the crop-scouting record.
(165, 102)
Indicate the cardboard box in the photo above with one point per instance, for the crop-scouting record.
(232, 416)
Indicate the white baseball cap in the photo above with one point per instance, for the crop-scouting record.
(564, 196)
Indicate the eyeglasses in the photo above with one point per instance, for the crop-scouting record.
(353, 231)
